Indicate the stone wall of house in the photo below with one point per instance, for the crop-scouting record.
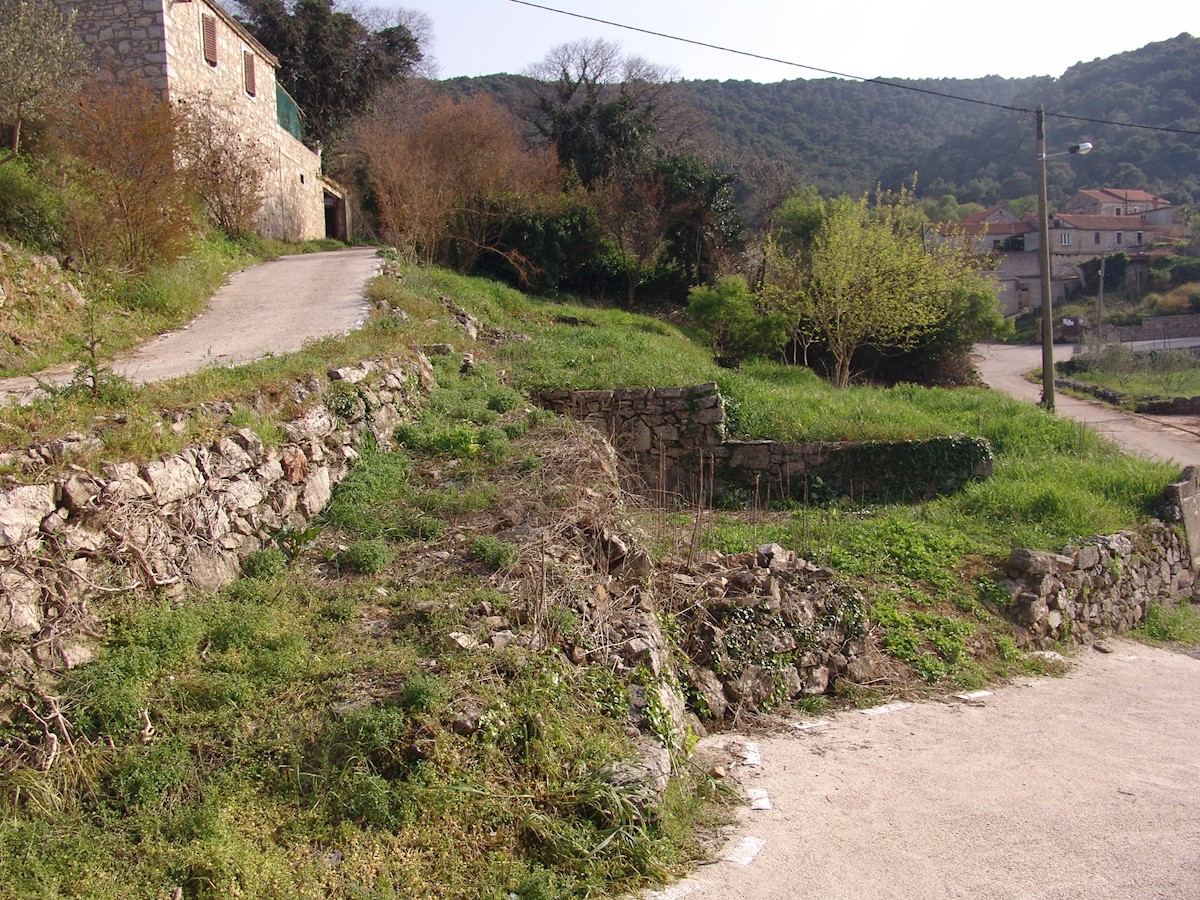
(161, 41)
(1101, 587)
(673, 443)
(184, 520)
(125, 37)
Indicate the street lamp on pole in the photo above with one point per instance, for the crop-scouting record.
(1044, 228)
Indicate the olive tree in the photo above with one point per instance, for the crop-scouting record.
(41, 62)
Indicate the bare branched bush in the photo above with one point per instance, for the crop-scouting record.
(447, 186)
(130, 204)
(226, 167)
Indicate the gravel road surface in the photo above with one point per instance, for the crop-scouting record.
(1085, 787)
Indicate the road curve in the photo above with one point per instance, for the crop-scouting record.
(1167, 438)
(274, 307)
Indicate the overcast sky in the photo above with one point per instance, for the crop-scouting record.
(887, 38)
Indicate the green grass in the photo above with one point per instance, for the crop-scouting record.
(298, 750)
(290, 759)
(1140, 376)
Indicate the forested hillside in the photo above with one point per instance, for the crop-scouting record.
(841, 136)
(845, 136)
(1158, 85)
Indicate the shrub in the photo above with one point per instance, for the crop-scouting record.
(493, 552)
(30, 211)
(226, 167)
(130, 204)
(366, 557)
(265, 564)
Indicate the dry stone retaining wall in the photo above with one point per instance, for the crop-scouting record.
(187, 519)
(673, 442)
(1101, 587)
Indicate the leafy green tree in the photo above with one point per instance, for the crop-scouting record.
(41, 61)
(330, 59)
(866, 278)
(706, 221)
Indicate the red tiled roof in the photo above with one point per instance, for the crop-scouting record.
(1126, 196)
(1098, 223)
(998, 228)
(985, 215)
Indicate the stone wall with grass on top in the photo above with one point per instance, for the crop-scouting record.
(1101, 587)
(184, 520)
(674, 443)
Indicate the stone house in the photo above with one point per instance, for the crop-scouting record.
(1075, 238)
(1119, 202)
(193, 51)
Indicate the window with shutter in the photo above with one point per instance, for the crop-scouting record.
(208, 29)
(248, 69)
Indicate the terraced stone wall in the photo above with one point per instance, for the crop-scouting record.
(186, 520)
(673, 441)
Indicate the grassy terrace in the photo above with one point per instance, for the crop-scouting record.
(299, 734)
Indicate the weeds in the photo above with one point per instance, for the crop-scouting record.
(1162, 625)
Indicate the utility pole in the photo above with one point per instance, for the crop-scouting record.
(1044, 228)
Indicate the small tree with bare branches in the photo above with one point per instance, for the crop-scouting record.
(447, 187)
(225, 166)
(130, 203)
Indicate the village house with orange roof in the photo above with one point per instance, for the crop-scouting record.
(1092, 224)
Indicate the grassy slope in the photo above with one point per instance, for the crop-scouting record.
(304, 720)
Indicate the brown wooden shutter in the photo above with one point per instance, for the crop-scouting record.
(208, 28)
(248, 69)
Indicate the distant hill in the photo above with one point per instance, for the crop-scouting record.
(1157, 85)
(843, 136)
(847, 136)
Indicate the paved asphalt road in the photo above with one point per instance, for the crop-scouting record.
(1168, 438)
(270, 308)
(1085, 787)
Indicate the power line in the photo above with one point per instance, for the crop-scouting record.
(865, 80)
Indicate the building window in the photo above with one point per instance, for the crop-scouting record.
(1120, 237)
(1064, 239)
(208, 34)
(1139, 240)
(302, 178)
(1097, 239)
(248, 73)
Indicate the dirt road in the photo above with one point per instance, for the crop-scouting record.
(1081, 787)
(1168, 438)
(270, 308)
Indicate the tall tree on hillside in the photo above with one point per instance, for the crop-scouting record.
(41, 62)
(606, 115)
(330, 60)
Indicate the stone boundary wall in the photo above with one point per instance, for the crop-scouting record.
(1103, 586)
(673, 443)
(1169, 406)
(1154, 329)
(186, 519)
